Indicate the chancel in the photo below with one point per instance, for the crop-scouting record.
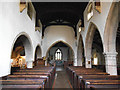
(51, 45)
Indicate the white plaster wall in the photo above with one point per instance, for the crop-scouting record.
(99, 19)
(12, 25)
(57, 33)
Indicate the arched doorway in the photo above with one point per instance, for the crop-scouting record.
(37, 54)
(21, 52)
(59, 53)
(80, 53)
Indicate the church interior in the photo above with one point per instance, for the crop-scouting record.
(57, 45)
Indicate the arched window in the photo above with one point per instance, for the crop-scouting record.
(58, 54)
(90, 11)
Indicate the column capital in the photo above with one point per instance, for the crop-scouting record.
(110, 60)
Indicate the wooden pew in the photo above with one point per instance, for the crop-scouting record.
(52, 70)
(30, 77)
(95, 77)
(22, 87)
(38, 71)
(77, 74)
(33, 74)
(74, 73)
(90, 71)
(70, 71)
(23, 83)
(102, 84)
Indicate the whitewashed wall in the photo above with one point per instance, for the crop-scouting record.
(12, 25)
(57, 33)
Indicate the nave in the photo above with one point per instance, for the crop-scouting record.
(51, 45)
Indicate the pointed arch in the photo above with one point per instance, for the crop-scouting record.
(58, 42)
(80, 52)
(24, 40)
(88, 43)
(38, 52)
(111, 29)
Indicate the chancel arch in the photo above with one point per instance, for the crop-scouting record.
(60, 52)
(21, 54)
(80, 52)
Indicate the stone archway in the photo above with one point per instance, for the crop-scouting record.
(110, 39)
(98, 60)
(58, 42)
(67, 52)
(89, 42)
(37, 55)
(80, 52)
(38, 52)
(22, 48)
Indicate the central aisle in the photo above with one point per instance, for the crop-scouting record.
(61, 79)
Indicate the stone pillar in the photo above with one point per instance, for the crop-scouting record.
(29, 64)
(111, 64)
(88, 62)
(75, 62)
(79, 62)
(79, 59)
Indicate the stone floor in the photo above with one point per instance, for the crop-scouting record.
(61, 79)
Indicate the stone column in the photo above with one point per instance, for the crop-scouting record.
(79, 59)
(111, 64)
(29, 64)
(88, 62)
(75, 62)
(79, 62)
